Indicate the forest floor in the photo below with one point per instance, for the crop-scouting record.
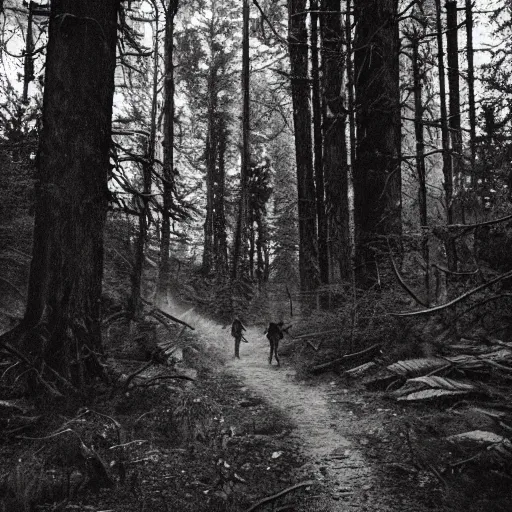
(332, 427)
(242, 432)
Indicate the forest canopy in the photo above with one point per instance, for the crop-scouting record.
(210, 153)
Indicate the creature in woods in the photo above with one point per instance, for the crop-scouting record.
(237, 329)
(275, 332)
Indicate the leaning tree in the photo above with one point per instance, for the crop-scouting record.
(59, 337)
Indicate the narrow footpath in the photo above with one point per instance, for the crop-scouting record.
(350, 481)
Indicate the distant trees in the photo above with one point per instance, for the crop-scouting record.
(207, 70)
(245, 140)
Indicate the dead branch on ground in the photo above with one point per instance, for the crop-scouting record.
(153, 381)
(370, 352)
(30, 366)
(132, 376)
(284, 492)
(167, 315)
(313, 334)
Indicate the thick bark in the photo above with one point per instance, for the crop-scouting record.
(377, 176)
(323, 255)
(71, 192)
(308, 251)
(445, 141)
(334, 142)
(241, 235)
(168, 184)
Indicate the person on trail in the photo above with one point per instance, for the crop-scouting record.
(237, 329)
(274, 333)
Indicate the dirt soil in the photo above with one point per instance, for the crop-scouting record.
(366, 452)
(332, 429)
(242, 432)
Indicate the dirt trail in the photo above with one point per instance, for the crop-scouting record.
(350, 480)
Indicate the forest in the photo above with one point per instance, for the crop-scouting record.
(341, 166)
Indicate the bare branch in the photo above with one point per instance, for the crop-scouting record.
(479, 224)
(403, 284)
(458, 299)
(274, 497)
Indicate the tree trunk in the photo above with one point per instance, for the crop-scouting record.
(220, 245)
(350, 86)
(28, 65)
(335, 147)
(168, 184)
(323, 255)
(452, 53)
(451, 253)
(252, 241)
(262, 247)
(377, 176)
(418, 76)
(471, 87)
(211, 160)
(298, 38)
(65, 282)
(240, 246)
(135, 305)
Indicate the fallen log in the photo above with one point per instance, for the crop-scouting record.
(167, 315)
(361, 369)
(313, 334)
(364, 355)
(158, 378)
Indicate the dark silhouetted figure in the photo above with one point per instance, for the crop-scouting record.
(236, 331)
(274, 333)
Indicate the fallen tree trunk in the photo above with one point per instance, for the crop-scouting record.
(167, 315)
(362, 356)
(313, 334)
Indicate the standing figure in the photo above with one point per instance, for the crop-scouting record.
(236, 331)
(274, 333)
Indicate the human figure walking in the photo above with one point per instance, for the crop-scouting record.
(274, 333)
(237, 329)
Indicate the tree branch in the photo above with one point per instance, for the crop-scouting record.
(274, 497)
(436, 309)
